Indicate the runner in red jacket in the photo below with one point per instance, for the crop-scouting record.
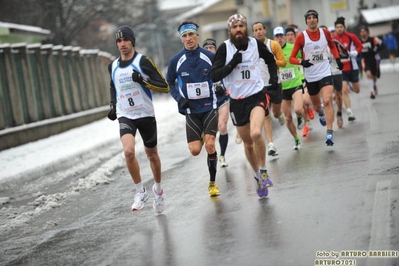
(350, 72)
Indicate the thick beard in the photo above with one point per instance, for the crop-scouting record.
(240, 42)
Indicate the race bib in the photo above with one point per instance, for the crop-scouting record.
(318, 56)
(130, 100)
(198, 90)
(244, 73)
(287, 74)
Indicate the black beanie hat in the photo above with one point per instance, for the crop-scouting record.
(125, 32)
(365, 28)
(290, 29)
(311, 12)
(209, 41)
(340, 20)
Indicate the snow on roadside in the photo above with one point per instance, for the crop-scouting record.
(89, 139)
(14, 217)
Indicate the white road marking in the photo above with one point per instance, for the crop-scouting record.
(381, 224)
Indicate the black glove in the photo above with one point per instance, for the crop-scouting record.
(219, 90)
(339, 63)
(137, 77)
(184, 103)
(112, 112)
(273, 87)
(269, 88)
(306, 63)
(237, 58)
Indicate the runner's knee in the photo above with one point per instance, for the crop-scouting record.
(153, 156)
(129, 153)
(256, 135)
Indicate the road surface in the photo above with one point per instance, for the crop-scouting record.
(327, 203)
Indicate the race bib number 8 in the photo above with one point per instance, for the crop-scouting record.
(131, 100)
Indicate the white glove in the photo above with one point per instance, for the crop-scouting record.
(353, 53)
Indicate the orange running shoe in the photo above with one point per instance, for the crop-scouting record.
(310, 113)
(305, 131)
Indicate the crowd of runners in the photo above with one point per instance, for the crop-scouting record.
(294, 78)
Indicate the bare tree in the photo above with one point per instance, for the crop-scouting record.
(91, 23)
(68, 19)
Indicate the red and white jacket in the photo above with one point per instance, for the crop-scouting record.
(351, 43)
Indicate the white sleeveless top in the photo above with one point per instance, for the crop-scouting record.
(317, 53)
(264, 70)
(245, 79)
(133, 100)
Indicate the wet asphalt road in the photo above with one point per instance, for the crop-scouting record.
(340, 198)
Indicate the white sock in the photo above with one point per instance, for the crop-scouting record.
(349, 110)
(139, 187)
(158, 187)
(370, 84)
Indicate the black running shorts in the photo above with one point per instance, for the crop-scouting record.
(373, 67)
(198, 123)
(337, 79)
(351, 76)
(276, 96)
(287, 94)
(147, 127)
(315, 87)
(240, 110)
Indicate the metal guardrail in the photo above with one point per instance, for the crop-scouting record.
(44, 82)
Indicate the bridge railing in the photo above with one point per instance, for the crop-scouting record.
(40, 82)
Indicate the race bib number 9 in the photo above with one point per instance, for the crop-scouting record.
(198, 90)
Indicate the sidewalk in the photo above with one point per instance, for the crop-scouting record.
(387, 67)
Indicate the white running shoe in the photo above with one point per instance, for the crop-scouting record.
(139, 200)
(158, 200)
(272, 151)
(351, 117)
(222, 161)
(297, 145)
